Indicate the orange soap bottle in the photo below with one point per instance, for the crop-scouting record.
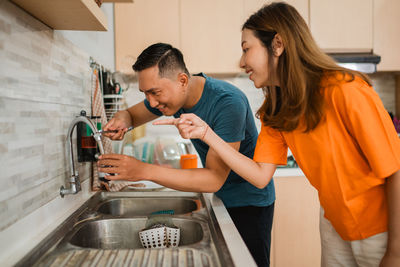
(188, 161)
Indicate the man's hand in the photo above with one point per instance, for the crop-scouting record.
(124, 167)
(117, 125)
(189, 125)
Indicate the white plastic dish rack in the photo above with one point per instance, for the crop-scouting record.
(160, 237)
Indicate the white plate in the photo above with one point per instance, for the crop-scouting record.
(148, 185)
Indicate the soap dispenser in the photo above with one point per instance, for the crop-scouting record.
(87, 146)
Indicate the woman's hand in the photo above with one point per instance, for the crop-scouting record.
(124, 167)
(390, 260)
(189, 125)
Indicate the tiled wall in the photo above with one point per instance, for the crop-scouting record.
(44, 83)
(385, 85)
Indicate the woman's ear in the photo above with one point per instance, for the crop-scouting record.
(277, 45)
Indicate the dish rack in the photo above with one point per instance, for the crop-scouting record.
(112, 104)
(160, 236)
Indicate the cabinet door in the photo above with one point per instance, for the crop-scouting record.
(141, 24)
(211, 34)
(387, 34)
(295, 231)
(342, 25)
(251, 6)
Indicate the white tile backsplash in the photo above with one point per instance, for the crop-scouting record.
(44, 83)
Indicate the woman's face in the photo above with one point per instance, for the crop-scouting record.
(254, 59)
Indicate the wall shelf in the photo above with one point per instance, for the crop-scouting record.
(118, 1)
(83, 15)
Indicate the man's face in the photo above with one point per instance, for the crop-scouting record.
(167, 94)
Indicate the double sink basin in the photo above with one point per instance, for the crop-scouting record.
(105, 231)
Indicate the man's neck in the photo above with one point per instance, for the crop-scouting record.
(195, 90)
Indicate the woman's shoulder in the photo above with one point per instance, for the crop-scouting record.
(344, 81)
(342, 78)
(342, 84)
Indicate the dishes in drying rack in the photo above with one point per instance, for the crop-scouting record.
(112, 104)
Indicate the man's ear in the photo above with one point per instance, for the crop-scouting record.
(183, 79)
(277, 45)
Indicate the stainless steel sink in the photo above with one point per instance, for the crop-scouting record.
(145, 206)
(105, 231)
(124, 233)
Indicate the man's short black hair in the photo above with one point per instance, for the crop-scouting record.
(168, 59)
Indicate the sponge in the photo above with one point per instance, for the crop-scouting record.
(170, 212)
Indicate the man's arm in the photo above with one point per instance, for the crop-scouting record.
(139, 114)
(208, 179)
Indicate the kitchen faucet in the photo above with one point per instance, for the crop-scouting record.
(75, 183)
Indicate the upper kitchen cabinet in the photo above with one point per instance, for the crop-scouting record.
(387, 34)
(251, 6)
(207, 32)
(66, 15)
(343, 25)
(211, 34)
(141, 24)
(118, 1)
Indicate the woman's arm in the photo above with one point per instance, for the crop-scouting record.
(392, 256)
(192, 127)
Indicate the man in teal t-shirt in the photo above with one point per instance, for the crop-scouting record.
(170, 90)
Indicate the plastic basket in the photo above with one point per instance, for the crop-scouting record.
(160, 237)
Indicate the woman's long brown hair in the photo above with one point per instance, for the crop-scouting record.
(301, 67)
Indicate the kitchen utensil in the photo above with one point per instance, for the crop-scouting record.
(160, 232)
(160, 237)
(114, 131)
(167, 152)
(124, 80)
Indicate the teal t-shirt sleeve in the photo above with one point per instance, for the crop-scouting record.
(230, 121)
(152, 110)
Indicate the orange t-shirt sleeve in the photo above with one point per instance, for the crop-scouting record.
(370, 125)
(271, 147)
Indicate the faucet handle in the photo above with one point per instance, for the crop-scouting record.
(77, 183)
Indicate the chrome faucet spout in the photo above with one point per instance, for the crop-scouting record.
(74, 181)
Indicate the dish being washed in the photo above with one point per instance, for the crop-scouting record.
(144, 185)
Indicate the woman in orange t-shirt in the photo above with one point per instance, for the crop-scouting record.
(335, 125)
